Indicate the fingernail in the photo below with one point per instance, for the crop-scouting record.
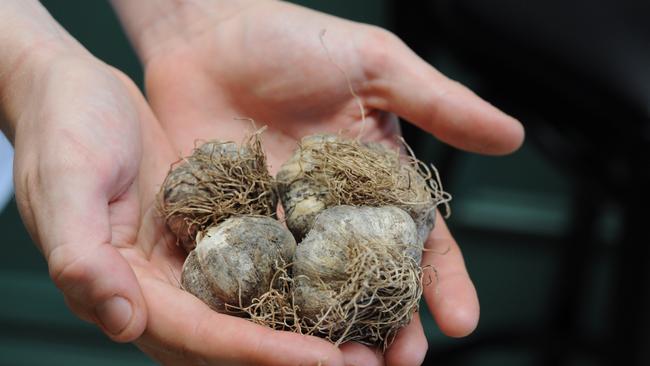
(114, 314)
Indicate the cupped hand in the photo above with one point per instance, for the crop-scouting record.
(90, 157)
(269, 61)
(77, 170)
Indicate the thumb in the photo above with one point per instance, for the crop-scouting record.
(405, 84)
(73, 226)
(99, 286)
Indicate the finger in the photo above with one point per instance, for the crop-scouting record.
(409, 347)
(100, 286)
(73, 224)
(451, 295)
(187, 328)
(165, 358)
(356, 354)
(403, 83)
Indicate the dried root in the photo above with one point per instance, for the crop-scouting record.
(379, 298)
(329, 170)
(348, 281)
(362, 211)
(219, 180)
(275, 308)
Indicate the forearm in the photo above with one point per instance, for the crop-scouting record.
(152, 24)
(28, 36)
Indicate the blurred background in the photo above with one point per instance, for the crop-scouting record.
(554, 235)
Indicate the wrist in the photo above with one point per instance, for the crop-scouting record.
(29, 39)
(154, 26)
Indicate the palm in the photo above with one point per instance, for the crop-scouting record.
(281, 75)
(269, 71)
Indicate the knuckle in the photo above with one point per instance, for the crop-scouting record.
(376, 49)
(378, 36)
(69, 271)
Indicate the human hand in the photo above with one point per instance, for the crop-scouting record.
(207, 62)
(90, 156)
(77, 139)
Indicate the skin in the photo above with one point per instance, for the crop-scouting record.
(91, 153)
